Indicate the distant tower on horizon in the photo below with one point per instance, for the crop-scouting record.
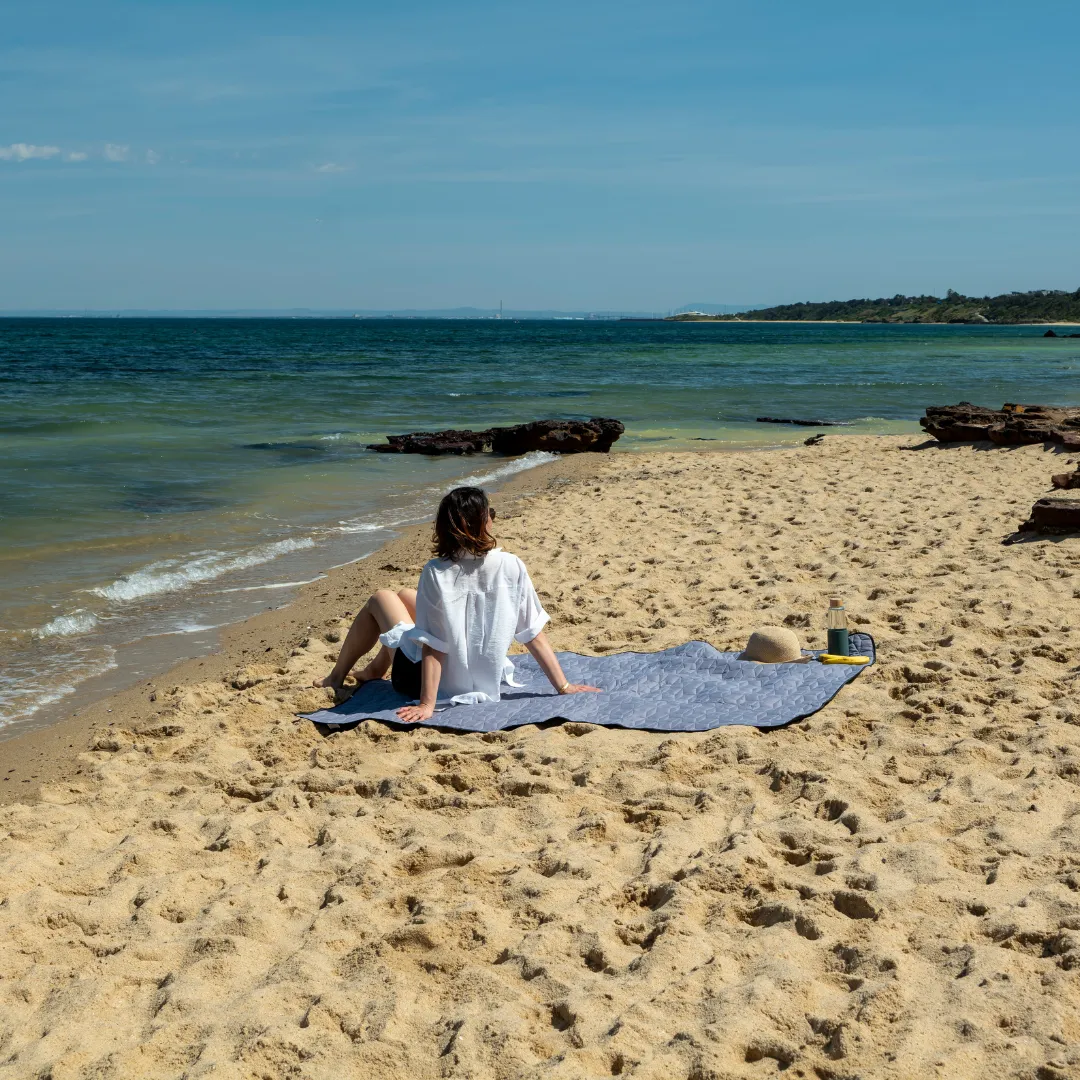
(499, 316)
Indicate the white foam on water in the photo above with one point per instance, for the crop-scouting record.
(527, 461)
(22, 697)
(275, 585)
(358, 437)
(189, 628)
(371, 526)
(78, 622)
(172, 575)
(521, 464)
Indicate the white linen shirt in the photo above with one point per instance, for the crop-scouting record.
(471, 609)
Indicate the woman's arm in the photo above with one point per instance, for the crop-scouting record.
(545, 656)
(430, 674)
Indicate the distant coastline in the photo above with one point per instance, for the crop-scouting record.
(855, 322)
(285, 314)
(1041, 307)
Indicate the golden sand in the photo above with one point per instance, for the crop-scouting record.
(888, 889)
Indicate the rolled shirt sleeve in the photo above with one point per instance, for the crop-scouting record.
(393, 637)
(532, 618)
(430, 628)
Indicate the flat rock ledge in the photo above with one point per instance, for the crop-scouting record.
(557, 436)
(1054, 515)
(1011, 425)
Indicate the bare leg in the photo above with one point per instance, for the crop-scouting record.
(408, 598)
(384, 658)
(384, 610)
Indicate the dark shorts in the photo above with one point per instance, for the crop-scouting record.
(405, 675)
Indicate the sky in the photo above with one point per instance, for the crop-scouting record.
(584, 155)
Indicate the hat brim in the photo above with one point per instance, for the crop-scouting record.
(793, 660)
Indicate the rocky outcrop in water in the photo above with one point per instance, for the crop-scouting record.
(559, 436)
(798, 423)
(1011, 425)
(435, 442)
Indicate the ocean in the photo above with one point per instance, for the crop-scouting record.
(161, 478)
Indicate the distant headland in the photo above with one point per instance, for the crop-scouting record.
(1039, 306)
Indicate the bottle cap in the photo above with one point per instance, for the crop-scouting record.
(836, 601)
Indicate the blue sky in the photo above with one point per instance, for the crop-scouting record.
(569, 155)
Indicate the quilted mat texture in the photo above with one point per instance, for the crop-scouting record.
(691, 687)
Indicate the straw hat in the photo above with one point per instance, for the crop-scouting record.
(772, 645)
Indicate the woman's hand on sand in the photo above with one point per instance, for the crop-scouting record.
(413, 714)
(581, 688)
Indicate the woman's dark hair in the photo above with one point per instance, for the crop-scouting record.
(461, 525)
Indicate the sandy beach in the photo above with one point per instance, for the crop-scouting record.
(194, 883)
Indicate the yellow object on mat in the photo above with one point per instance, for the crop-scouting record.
(829, 658)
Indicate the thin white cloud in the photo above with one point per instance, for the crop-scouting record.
(116, 152)
(152, 157)
(76, 155)
(331, 167)
(21, 151)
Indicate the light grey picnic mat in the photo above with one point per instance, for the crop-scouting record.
(691, 687)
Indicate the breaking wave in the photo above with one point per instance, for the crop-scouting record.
(527, 461)
(172, 575)
(79, 622)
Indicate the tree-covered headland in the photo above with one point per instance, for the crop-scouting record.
(1039, 306)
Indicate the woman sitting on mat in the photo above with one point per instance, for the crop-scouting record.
(453, 631)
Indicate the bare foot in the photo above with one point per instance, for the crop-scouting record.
(330, 683)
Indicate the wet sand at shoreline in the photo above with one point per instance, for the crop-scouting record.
(888, 889)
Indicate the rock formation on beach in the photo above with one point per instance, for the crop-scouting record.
(1018, 425)
(1054, 516)
(558, 436)
(1011, 425)
(1067, 479)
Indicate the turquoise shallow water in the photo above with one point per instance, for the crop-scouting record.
(162, 477)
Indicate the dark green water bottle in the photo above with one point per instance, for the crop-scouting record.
(836, 623)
